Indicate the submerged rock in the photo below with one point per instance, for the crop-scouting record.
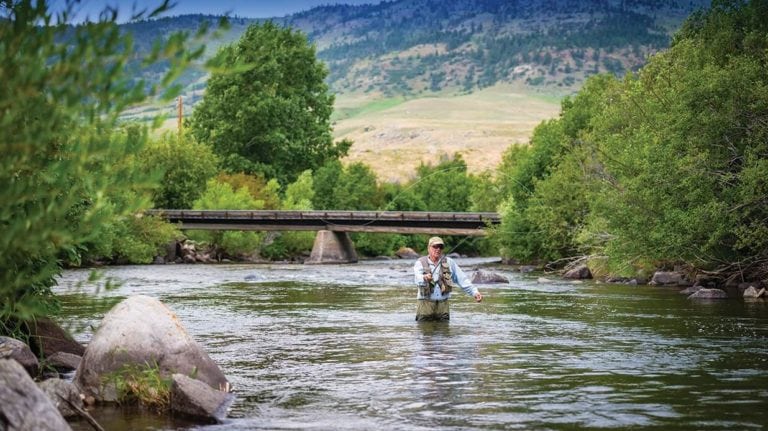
(709, 294)
(254, 277)
(691, 289)
(63, 362)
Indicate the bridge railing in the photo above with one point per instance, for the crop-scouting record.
(442, 223)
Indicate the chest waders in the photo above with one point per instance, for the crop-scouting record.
(445, 280)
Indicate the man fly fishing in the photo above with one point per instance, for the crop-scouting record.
(436, 275)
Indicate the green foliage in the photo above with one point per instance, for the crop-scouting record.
(444, 187)
(686, 141)
(396, 197)
(282, 245)
(377, 244)
(140, 239)
(558, 209)
(130, 240)
(544, 183)
(59, 166)
(671, 161)
(142, 384)
(185, 166)
(356, 188)
(324, 183)
(267, 109)
(485, 193)
(299, 194)
(260, 189)
(219, 196)
(353, 187)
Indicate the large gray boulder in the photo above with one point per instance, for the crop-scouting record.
(485, 277)
(23, 406)
(47, 338)
(142, 332)
(670, 278)
(580, 272)
(12, 348)
(196, 399)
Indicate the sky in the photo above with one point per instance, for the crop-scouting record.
(245, 9)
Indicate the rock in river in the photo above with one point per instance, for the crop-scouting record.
(141, 331)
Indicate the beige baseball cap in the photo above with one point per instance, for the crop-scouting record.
(435, 240)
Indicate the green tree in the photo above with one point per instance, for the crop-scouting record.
(299, 194)
(266, 192)
(544, 184)
(356, 188)
(324, 182)
(219, 196)
(63, 90)
(682, 150)
(353, 187)
(486, 194)
(185, 165)
(444, 187)
(267, 109)
(284, 245)
(397, 197)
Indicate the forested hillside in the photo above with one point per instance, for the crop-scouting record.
(411, 47)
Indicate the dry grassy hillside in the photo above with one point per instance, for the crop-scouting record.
(395, 136)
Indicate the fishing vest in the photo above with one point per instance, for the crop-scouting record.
(445, 279)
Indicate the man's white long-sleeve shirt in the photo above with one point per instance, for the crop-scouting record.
(457, 275)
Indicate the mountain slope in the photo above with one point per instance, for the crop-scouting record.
(409, 47)
(481, 58)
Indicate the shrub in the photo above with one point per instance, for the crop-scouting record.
(260, 189)
(282, 245)
(220, 195)
(185, 167)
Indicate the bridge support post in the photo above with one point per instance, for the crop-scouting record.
(332, 247)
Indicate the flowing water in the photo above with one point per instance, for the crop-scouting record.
(336, 347)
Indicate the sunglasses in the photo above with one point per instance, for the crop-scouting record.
(440, 246)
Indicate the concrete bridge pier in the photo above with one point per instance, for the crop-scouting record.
(332, 247)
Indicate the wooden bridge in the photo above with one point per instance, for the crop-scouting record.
(332, 245)
(438, 223)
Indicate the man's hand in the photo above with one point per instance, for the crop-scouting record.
(478, 296)
(428, 277)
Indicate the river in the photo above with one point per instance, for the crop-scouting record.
(336, 347)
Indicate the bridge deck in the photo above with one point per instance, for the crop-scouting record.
(441, 223)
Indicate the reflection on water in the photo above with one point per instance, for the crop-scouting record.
(336, 347)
